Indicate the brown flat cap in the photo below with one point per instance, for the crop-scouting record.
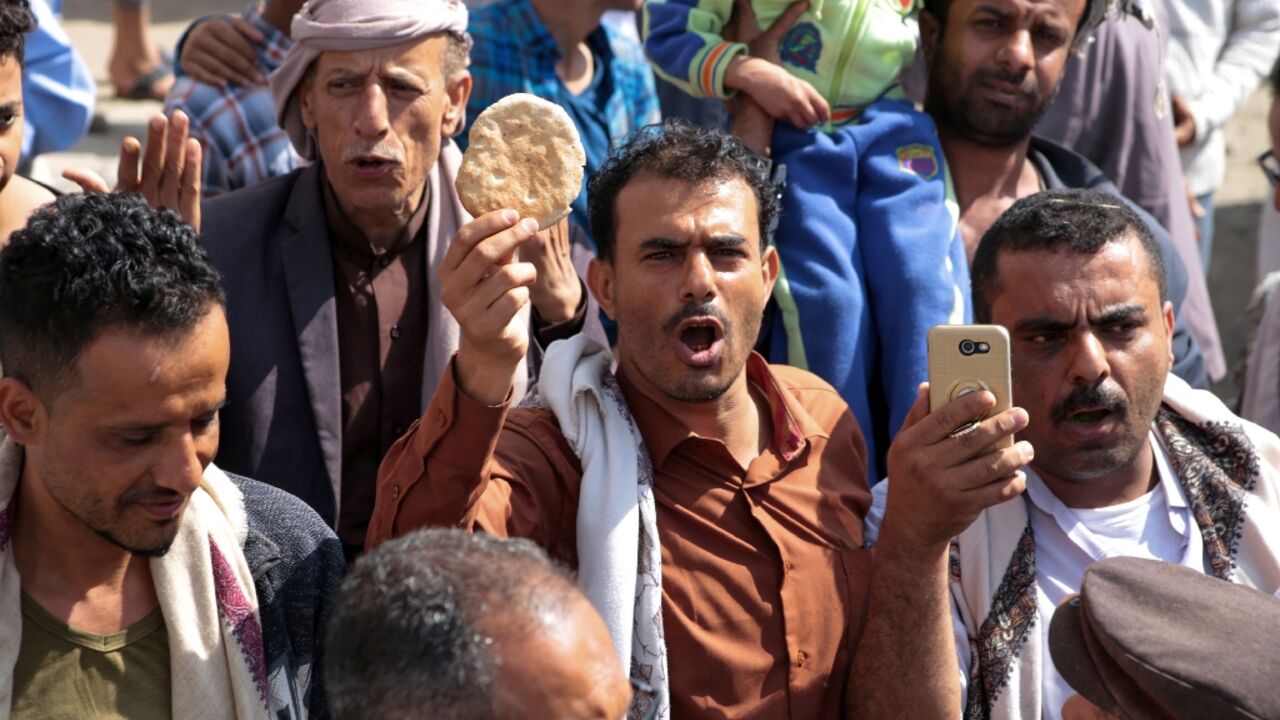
(1147, 639)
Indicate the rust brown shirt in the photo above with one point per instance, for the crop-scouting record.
(764, 578)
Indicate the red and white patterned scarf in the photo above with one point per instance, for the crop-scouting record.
(1229, 469)
(210, 605)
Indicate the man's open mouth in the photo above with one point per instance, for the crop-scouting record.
(699, 341)
(373, 164)
(1090, 417)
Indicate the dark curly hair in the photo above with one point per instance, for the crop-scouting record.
(86, 262)
(1062, 220)
(16, 21)
(680, 151)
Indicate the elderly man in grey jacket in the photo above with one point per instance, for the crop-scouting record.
(338, 335)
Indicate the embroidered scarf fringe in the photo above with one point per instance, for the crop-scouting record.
(216, 657)
(1230, 471)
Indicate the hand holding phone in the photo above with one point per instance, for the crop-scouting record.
(970, 358)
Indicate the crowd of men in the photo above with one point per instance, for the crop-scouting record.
(288, 430)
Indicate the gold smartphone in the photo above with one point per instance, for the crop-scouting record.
(970, 358)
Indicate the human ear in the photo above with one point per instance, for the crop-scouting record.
(930, 34)
(770, 264)
(455, 111)
(600, 282)
(22, 413)
(306, 101)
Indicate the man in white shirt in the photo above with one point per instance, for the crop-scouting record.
(1115, 456)
(1219, 53)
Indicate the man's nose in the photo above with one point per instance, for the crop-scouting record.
(371, 116)
(1089, 360)
(698, 282)
(1018, 53)
(182, 468)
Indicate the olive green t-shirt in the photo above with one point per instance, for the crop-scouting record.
(65, 673)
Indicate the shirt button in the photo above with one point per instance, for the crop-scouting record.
(395, 492)
(395, 332)
(801, 658)
(441, 420)
(788, 566)
(384, 260)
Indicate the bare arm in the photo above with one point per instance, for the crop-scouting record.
(905, 665)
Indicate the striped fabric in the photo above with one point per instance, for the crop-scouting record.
(243, 144)
(514, 52)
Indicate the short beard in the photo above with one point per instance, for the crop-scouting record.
(154, 552)
(951, 105)
(695, 394)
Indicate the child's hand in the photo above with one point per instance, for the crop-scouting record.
(751, 124)
(782, 95)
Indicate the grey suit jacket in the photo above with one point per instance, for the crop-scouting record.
(282, 423)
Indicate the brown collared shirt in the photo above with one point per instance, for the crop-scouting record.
(764, 579)
(381, 304)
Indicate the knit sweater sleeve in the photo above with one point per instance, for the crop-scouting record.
(683, 41)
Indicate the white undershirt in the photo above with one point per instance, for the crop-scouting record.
(1158, 525)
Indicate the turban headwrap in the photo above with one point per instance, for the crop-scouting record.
(350, 26)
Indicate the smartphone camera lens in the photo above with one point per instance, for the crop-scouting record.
(968, 347)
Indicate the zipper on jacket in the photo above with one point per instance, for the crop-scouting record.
(847, 48)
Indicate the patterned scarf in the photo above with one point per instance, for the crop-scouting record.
(217, 661)
(619, 559)
(1230, 471)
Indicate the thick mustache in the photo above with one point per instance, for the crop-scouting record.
(389, 153)
(694, 310)
(1016, 79)
(1090, 398)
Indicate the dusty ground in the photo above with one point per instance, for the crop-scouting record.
(1231, 273)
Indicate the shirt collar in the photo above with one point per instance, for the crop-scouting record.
(277, 44)
(663, 432)
(1039, 494)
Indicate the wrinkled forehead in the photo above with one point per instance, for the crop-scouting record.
(1048, 282)
(651, 206)
(422, 58)
(10, 79)
(1068, 12)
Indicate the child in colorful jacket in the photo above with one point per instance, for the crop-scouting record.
(871, 253)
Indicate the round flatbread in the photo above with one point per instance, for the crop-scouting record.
(525, 154)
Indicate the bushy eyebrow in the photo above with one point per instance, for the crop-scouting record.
(718, 242)
(663, 243)
(721, 242)
(1121, 313)
(156, 427)
(1110, 316)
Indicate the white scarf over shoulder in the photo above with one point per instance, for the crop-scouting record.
(619, 559)
(1230, 471)
(210, 605)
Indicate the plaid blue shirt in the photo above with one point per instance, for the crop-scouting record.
(514, 52)
(243, 145)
